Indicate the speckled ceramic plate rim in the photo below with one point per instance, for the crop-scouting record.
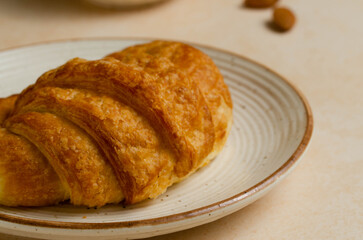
(262, 185)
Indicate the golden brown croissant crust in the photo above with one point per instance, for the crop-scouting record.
(124, 127)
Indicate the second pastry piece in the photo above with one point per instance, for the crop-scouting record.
(201, 71)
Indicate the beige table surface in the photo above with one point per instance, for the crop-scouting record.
(322, 55)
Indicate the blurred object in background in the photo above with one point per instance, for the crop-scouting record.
(283, 18)
(260, 3)
(123, 3)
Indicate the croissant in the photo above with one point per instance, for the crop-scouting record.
(121, 128)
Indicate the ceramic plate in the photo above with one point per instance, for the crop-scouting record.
(272, 127)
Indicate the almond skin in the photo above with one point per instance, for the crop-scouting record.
(260, 3)
(283, 18)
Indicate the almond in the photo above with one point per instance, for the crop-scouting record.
(260, 3)
(284, 18)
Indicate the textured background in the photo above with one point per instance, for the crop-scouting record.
(322, 55)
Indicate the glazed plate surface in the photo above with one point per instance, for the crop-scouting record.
(271, 130)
